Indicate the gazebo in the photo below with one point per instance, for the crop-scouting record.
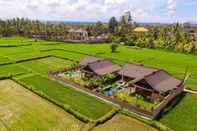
(140, 30)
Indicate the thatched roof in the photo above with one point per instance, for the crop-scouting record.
(162, 82)
(88, 59)
(103, 67)
(158, 79)
(135, 71)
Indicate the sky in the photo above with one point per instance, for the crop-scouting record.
(100, 10)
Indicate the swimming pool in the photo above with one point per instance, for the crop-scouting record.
(73, 74)
(111, 90)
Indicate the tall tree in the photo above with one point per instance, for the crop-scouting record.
(113, 23)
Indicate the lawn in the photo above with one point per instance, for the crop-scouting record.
(21, 109)
(80, 103)
(183, 117)
(123, 123)
(44, 65)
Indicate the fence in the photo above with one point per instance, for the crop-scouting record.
(166, 100)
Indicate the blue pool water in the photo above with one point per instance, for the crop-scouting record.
(111, 90)
(108, 90)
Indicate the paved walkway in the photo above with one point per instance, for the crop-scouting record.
(190, 91)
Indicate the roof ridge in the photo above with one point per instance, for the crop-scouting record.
(154, 72)
(142, 65)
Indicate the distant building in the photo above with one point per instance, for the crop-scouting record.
(40, 35)
(192, 32)
(79, 34)
(126, 18)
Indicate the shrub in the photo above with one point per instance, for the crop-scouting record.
(109, 78)
(114, 48)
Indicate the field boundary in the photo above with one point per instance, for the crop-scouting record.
(191, 91)
(3, 126)
(11, 46)
(24, 60)
(150, 122)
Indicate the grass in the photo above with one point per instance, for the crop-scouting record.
(26, 56)
(123, 123)
(182, 117)
(4, 60)
(11, 70)
(14, 41)
(43, 66)
(23, 110)
(65, 54)
(56, 63)
(81, 103)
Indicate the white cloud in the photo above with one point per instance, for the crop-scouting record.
(145, 10)
(172, 6)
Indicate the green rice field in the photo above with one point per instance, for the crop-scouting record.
(182, 117)
(28, 62)
(81, 103)
(44, 65)
(123, 123)
(12, 70)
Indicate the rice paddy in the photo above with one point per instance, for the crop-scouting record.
(20, 109)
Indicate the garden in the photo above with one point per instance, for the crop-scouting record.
(109, 85)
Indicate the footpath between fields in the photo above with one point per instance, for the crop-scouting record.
(190, 91)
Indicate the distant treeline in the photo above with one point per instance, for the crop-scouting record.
(28, 28)
(172, 37)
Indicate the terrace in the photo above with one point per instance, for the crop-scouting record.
(144, 88)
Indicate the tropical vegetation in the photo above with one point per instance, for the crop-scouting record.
(167, 36)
